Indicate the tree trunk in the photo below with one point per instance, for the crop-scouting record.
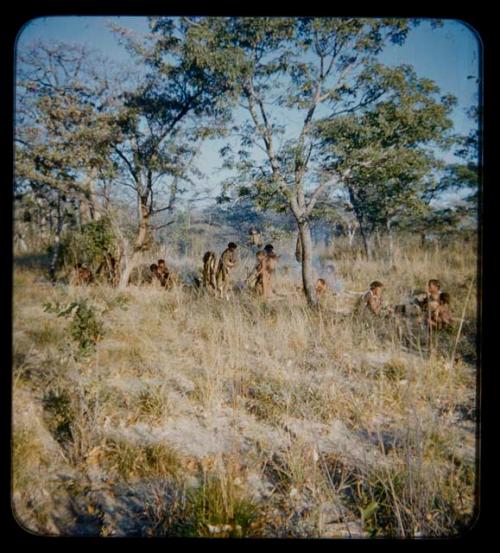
(328, 237)
(307, 268)
(298, 249)
(140, 244)
(129, 265)
(143, 234)
(57, 246)
(379, 240)
(351, 232)
(367, 242)
(390, 235)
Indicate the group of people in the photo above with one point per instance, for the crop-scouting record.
(162, 275)
(431, 306)
(216, 274)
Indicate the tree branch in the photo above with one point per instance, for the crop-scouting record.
(133, 172)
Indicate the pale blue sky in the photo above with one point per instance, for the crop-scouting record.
(448, 55)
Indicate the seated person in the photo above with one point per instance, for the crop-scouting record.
(372, 300)
(321, 287)
(442, 317)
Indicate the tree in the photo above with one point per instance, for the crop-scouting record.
(60, 140)
(161, 125)
(388, 151)
(305, 66)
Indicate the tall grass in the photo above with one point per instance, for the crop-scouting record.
(245, 418)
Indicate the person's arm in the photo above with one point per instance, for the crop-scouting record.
(373, 304)
(230, 261)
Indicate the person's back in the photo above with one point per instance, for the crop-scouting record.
(226, 262)
(270, 264)
(442, 315)
(209, 269)
(254, 280)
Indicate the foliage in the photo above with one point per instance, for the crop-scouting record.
(84, 328)
(385, 150)
(89, 244)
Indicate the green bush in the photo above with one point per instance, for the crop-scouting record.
(91, 244)
(84, 328)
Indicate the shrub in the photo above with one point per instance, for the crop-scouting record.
(91, 245)
(84, 327)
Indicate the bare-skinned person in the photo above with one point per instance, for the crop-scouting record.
(255, 238)
(442, 316)
(82, 275)
(209, 270)
(254, 279)
(320, 287)
(270, 264)
(432, 301)
(227, 262)
(373, 301)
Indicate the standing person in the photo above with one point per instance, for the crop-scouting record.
(254, 279)
(226, 263)
(255, 239)
(298, 250)
(209, 270)
(269, 268)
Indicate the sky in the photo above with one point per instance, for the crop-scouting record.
(449, 55)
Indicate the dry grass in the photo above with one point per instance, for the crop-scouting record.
(195, 416)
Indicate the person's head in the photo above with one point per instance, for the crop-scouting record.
(376, 287)
(208, 255)
(161, 263)
(269, 248)
(260, 255)
(419, 296)
(444, 298)
(153, 267)
(232, 246)
(320, 285)
(433, 286)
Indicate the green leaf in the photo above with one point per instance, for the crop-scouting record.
(369, 511)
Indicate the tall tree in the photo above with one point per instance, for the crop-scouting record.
(388, 151)
(60, 141)
(161, 126)
(299, 67)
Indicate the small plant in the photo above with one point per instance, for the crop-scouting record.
(84, 328)
(148, 461)
(121, 301)
(59, 415)
(152, 403)
(217, 510)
